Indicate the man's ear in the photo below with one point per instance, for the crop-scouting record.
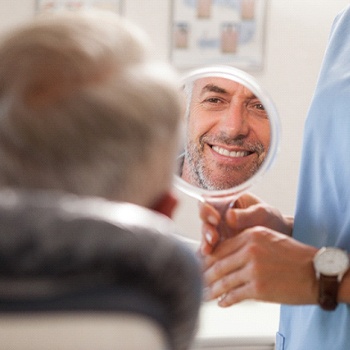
(166, 204)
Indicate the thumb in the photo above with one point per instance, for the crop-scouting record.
(241, 219)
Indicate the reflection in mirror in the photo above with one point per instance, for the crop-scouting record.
(231, 134)
(227, 133)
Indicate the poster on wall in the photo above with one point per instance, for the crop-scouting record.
(207, 32)
(56, 5)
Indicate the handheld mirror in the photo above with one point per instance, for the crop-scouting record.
(231, 135)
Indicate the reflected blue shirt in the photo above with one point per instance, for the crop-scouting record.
(323, 207)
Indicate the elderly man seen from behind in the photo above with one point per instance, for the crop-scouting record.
(88, 119)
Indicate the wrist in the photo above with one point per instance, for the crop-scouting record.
(344, 289)
(330, 264)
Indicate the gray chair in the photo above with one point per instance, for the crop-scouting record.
(84, 273)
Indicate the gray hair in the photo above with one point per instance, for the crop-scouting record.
(85, 109)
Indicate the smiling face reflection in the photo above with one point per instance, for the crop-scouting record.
(228, 134)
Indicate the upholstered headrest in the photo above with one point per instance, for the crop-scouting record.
(62, 252)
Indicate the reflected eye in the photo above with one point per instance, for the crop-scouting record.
(260, 106)
(256, 104)
(214, 103)
(257, 108)
(213, 100)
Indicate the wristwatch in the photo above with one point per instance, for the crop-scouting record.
(330, 265)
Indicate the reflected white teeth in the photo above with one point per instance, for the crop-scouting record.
(227, 153)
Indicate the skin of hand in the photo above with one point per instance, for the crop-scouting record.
(261, 261)
(247, 211)
(261, 264)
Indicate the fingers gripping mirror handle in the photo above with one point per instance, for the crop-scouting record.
(222, 205)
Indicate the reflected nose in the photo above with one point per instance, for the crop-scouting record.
(234, 121)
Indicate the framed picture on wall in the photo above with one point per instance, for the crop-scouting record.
(205, 32)
(74, 5)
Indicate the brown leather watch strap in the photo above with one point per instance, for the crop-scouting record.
(328, 292)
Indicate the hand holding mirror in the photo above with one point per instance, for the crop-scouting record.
(231, 134)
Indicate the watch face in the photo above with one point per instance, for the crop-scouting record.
(331, 261)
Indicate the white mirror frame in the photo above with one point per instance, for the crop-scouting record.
(248, 81)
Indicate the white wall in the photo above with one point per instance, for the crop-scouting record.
(296, 37)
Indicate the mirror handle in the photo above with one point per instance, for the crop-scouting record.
(222, 206)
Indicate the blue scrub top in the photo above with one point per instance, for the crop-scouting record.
(323, 206)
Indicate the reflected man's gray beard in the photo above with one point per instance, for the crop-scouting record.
(196, 168)
(201, 176)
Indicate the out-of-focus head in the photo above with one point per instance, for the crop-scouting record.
(86, 109)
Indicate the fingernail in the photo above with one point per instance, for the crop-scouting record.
(232, 204)
(222, 301)
(212, 220)
(209, 238)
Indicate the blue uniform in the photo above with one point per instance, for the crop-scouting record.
(323, 207)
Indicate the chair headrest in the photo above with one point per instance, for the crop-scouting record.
(65, 252)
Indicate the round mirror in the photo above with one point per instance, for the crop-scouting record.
(230, 134)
